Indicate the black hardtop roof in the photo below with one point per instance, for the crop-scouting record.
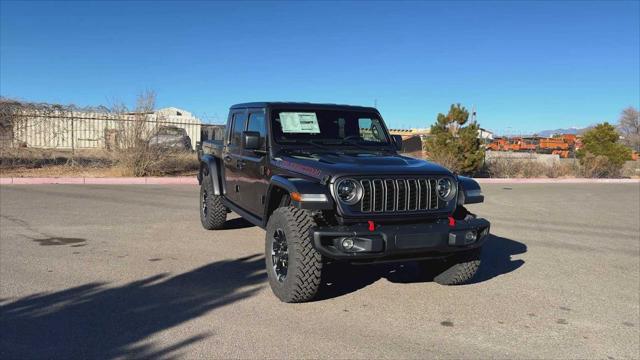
(302, 105)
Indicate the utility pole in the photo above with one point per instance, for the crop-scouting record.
(375, 103)
(474, 119)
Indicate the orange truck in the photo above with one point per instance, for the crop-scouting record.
(512, 144)
(563, 145)
(498, 144)
(553, 144)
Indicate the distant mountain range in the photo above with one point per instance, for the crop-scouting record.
(571, 130)
(550, 133)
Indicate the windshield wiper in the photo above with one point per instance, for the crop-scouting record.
(319, 145)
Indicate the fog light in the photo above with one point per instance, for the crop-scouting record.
(469, 237)
(347, 243)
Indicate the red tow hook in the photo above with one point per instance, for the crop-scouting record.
(452, 221)
(372, 225)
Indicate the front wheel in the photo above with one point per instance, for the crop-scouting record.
(456, 270)
(294, 266)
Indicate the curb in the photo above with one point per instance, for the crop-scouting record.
(191, 180)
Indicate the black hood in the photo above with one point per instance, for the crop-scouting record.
(321, 164)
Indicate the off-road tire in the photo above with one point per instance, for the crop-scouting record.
(457, 270)
(216, 213)
(304, 269)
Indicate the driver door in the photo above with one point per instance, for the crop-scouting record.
(254, 182)
(232, 155)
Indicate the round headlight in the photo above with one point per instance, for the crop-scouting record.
(446, 189)
(349, 191)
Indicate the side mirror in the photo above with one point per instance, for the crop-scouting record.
(250, 140)
(397, 141)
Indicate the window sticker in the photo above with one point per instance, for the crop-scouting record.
(299, 122)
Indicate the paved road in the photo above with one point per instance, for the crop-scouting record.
(105, 272)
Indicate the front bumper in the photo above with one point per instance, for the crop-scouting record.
(389, 242)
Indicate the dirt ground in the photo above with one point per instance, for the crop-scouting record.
(24, 162)
(60, 171)
(72, 171)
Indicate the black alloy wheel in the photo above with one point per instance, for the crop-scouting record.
(280, 255)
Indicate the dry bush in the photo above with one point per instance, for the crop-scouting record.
(175, 162)
(503, 168)
(33, 158)
(560, 169)
(96, 162)
(135, 161)
(631, 169)
(445, 159)
(598, 166)
(156, 162)
(135, 156)
(526, 168)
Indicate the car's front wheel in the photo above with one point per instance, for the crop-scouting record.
(294, 266)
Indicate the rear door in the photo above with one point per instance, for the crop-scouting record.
(253, 183)
(232, 154)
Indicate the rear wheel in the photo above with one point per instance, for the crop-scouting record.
(294, 266)
(213, 213)
(455, 270)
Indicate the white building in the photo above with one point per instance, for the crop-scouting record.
(484, 134)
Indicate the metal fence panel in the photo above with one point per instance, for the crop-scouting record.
(87, 130)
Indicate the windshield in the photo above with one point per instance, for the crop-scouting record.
(328, 127)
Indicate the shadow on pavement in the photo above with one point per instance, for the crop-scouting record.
(341, 278)
(94, 321)
(237, 223)
(496, 258)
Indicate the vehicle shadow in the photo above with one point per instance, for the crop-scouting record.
(237, 223)
(96, 321)
(341, 278)
(496, 258)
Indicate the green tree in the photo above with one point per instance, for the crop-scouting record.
(453, 144)
(600, 146)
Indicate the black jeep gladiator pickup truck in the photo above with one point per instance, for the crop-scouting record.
(327, 182)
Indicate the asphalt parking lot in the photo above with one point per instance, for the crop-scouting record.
(127, 271)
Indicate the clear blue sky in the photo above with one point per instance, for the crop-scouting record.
(527, 66)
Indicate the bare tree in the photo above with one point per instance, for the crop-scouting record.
(629, 126)
(145, 105)
(136, 156)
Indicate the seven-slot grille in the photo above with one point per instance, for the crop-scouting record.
(393, 195)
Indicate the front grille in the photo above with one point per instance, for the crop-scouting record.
(398, 195)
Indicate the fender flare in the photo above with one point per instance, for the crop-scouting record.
(469, 191)
(301, 186)
(210, 171)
